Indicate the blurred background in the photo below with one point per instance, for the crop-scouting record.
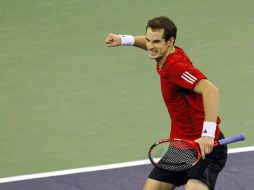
(68, 101)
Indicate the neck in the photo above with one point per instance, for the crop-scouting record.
(161, 61)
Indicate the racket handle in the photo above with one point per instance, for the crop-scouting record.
(228, 140)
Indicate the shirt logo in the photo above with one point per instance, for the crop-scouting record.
(188, 77)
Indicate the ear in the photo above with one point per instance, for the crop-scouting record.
(171, 41)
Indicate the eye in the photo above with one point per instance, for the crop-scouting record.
(156, 41)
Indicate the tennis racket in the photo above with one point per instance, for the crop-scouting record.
(179, 154)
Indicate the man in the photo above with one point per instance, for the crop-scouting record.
(192, 102)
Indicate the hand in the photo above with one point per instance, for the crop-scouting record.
(113, 40)
(205, 144)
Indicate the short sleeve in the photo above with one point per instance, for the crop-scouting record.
(185, 75)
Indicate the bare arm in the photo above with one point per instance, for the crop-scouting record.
(113, 40)
(211, 99)
(140, 42)
(210, 94)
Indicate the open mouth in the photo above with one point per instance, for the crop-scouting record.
(152, 53)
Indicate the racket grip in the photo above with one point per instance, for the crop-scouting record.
(229, 140)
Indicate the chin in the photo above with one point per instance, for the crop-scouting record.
(153, 56)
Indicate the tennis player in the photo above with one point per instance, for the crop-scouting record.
(192, 102)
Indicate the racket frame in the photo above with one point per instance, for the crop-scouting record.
(168, 140)
(221, 142)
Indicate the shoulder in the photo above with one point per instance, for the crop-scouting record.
(178, 60)
(178, 57)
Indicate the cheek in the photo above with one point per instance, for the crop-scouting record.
(162, 49)
(147, 45)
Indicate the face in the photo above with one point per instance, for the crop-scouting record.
(156, 45)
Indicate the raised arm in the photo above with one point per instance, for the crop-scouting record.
(113, 40)
(140, 42)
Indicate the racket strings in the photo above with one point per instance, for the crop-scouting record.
(178, 156)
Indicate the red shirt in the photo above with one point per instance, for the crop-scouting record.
(178, 78)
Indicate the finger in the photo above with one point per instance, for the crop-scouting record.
(113, 44)
(207, 149)
(109, 39)
(211, 149)
(202, 150)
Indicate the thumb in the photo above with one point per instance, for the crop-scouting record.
(112, 39)
(109, 39)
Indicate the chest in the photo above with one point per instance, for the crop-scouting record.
(171, 93)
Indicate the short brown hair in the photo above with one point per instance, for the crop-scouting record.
(165, 23)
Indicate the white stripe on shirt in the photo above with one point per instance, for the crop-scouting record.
(188, 77)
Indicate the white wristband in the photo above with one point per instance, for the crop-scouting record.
(209, 129)
(127, 40)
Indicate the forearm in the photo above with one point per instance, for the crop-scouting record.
(210, 94)
(140, 42)
(211, 100)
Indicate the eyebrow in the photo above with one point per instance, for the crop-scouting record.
(157, 40)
